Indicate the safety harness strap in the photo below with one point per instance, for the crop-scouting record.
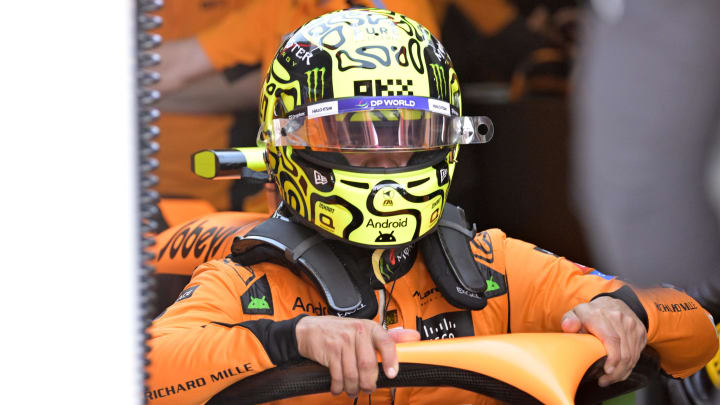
(460, 279)
(299, 248)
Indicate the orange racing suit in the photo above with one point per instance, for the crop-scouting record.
(233, 321)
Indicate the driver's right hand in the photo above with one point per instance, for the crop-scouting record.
(347, 347)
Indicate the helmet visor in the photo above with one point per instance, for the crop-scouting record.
(379, 129)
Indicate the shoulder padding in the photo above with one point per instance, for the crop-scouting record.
(460, 278)
(450, 261)
(304, 251)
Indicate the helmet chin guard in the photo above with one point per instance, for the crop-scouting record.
(368, 207)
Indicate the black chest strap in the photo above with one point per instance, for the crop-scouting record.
(460, 279)
(303, 250)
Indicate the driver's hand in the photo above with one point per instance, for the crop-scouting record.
(347, 347)
(617, 326)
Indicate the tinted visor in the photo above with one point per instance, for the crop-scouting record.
(385, 159)
(372, 130)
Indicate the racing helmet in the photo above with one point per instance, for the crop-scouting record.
(360, 116)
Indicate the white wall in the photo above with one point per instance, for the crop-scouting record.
(69, 267)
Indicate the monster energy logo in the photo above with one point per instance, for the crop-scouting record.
(440, 82)
(385, 270)
(314, 76)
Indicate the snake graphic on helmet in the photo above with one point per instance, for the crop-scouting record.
(364, 81)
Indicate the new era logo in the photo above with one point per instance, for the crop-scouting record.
(443, 175)
(319, 178)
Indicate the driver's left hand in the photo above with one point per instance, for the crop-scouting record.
(616, 325)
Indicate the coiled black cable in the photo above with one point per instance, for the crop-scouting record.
(147, 133)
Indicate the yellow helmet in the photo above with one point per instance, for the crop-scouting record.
(357, 83)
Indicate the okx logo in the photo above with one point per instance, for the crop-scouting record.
(258, 298)
(388, 87)
(446, 326)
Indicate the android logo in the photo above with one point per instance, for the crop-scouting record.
(385, 237)
(491, 285)
(258, 303)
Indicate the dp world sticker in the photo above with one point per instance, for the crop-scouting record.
(382, 103)
(322, 109)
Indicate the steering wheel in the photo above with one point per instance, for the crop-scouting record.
(523, 368)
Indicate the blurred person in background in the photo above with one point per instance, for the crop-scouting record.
(185, 131)
(216, 72)
(210, 75)
(341, 155)
(213, 54)
(647, 112)
(514, 57)
(522, 46)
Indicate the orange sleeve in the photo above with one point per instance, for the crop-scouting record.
(203, 343)
(543, 287)
(251, 35)
(239, 38)
(680, 326)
